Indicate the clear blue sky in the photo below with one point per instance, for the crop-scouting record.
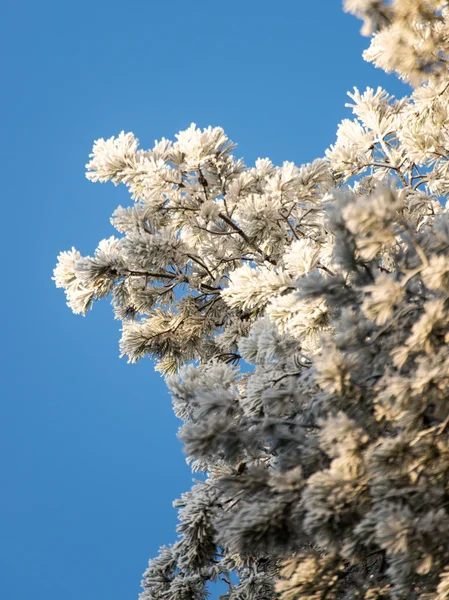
(90, 463)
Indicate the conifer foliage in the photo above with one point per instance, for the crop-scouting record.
(301, 317)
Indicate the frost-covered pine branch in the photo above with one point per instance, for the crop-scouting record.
(301, 316)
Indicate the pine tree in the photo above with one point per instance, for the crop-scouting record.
(301, 317)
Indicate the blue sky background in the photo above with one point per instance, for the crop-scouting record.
(90, 463)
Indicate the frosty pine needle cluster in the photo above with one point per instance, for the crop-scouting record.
(327, 460)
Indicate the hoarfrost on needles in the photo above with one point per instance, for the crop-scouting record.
(301, 317)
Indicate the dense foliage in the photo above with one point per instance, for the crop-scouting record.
(301, 315)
